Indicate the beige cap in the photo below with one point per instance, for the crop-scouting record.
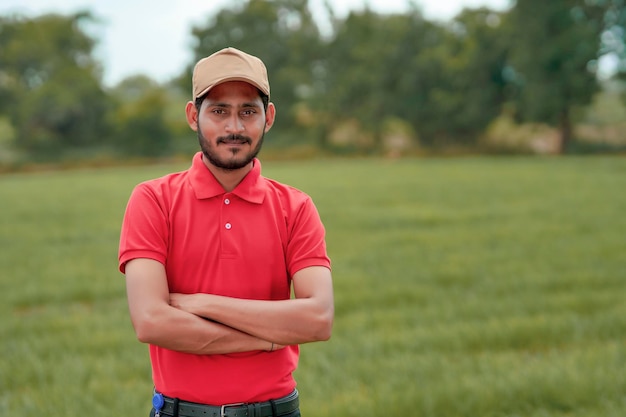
(229, 64)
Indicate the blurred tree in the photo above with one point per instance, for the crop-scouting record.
(553, 47)
(444, 79)
(140, 125)
(613, 39)
(469, 92)
(50, 84)
(373, 70)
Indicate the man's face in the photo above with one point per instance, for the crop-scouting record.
(231, 124)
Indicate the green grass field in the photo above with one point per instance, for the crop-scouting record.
(467, 287)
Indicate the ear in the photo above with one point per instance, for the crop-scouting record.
(270, 116)
(192, 115)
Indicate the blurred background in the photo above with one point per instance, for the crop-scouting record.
(487, 285)
(106, 82)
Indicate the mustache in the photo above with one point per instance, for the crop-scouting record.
(234, 138)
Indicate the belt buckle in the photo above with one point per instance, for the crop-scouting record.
(223, 408)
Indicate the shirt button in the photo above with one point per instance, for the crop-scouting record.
(227, 201)
(228, 226)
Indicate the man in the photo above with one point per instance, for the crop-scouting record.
(211, 254)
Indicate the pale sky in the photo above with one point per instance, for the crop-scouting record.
(153, 37)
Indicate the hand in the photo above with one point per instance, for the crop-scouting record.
(274, 347)
(191, 303)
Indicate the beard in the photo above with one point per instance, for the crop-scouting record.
(238, 158)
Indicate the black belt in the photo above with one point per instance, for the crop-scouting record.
(278, 407)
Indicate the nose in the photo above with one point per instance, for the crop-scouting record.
(235, 124)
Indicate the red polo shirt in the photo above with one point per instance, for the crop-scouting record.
(247, 243)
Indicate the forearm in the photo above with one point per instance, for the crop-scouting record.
(306, 318)
(284, 322)
(158, 323)
(174, 329)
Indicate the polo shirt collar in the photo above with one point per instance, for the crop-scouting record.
(205, 185)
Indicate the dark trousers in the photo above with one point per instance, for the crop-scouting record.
(294, 414)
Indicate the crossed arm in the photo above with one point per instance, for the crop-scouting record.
(211, 324)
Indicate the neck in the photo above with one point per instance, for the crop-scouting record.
(228, 178)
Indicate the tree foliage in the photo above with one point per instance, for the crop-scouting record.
(50, 83)
(139, 122)
(613, 38)
(553, 44)
(472, 86)
(373, 72)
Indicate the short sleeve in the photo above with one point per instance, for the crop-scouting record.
(145, 228)
(307, 245)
